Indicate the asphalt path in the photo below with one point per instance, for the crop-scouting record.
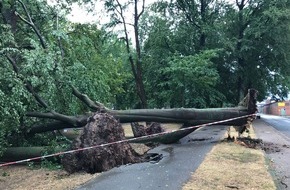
(275, 131)
(179, 161)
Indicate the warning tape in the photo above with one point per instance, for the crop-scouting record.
(122, 141)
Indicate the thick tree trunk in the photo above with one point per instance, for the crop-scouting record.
(189, 116)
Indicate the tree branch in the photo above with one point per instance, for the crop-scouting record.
(127, 40)
(30, 23)
(96, 106)
(44, 127)
(26, 11)
(143, 7)
(74, 121)
(186, 8)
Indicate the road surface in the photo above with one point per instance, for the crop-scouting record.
(275, 131)
(281, 124)
(170, 173)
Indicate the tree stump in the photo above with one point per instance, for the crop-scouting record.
(101, 128)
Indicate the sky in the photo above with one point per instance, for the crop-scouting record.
(80, 14)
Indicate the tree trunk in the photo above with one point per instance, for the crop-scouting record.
(189, 116)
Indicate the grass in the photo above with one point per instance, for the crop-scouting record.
(232, 166)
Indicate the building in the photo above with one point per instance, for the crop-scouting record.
(281, 108)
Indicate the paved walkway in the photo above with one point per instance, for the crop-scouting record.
(170, 173)
(279, 156)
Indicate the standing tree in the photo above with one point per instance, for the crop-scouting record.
(256, 44)
(118, 13)
(179, 53)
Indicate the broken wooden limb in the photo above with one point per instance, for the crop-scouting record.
(74, 121)
(95, 106)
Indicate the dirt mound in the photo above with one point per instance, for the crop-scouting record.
(154, 128)
(268, 147)
(250, 143)
(101, 128)
(150, 128)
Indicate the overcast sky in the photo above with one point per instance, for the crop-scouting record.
(81, 15)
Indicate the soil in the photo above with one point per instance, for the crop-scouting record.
(101, 128)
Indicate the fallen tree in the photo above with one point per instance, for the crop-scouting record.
(53, 120)
(188, 116)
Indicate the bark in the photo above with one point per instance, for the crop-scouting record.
(40, 128)
(189, 116)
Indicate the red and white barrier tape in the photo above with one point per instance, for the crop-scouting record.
(122, 141)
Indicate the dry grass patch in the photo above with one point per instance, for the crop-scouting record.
(232, 166)
(24, 178)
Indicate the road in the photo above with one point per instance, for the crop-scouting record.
(282, 124)
(170, 173)
(275, 131)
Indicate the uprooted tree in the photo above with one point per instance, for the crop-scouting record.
(114, 132)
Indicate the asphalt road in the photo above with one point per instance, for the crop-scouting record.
(170, 173)
(275, 131)
(281, 124)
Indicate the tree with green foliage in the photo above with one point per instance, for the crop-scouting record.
(42, 57)
(252, 38)
(178, 65)
(256, 44)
